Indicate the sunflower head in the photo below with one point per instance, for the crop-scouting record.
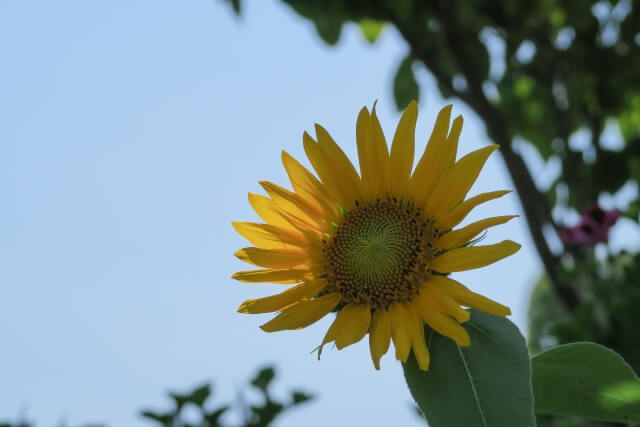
(376, 245)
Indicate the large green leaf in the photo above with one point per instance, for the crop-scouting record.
(487, 384)
(586, 380)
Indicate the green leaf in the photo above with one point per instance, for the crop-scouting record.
(198, 396)
(328, 28)
(487, 384)
(298, 397)
(213, 418)
(162, 419)
(264, 377)
(265, 414)
(371, 29)
(586, 380)
(235, 4)
(405, 86)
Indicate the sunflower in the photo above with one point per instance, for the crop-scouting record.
(375, 246)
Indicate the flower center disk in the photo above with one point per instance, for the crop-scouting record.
(380, 253)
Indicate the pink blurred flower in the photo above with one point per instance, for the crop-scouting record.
(593, 228)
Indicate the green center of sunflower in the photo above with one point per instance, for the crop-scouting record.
(380, 253)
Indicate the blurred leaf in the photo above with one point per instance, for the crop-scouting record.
(371, 29)
(263, 378)
(486, 384)
(328, 29)
(165, 419)
(198, 396)
(213, 418)
(586, 380)
(264, 415)
(298, 397)
(235, 4)
(405, 86)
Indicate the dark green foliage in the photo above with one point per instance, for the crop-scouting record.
(261, 414)
(235, 4)
(256, 415)
(486, 384)
(586, 379)
(405, 87)
(610, 315)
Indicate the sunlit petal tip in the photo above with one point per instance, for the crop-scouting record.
(285, 156)
(319, 130)
(308, 139)
(513, 246)
(243, 307)
(464, 340)
(413, 105)
(363, 113)
(445, 110)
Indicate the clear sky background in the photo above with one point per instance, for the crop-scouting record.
(130, 134)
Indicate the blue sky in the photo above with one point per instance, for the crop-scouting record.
(130, 135)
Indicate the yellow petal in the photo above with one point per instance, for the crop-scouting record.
(312, 150)
(402, 330)
(308, 186)
(459, 237)
(339, 324)
(457, 214)
(430, 166)
(294, 206)
(420, 350)
(340, 167)
(458, 181)
(302, 314)
(380, 151)
(468, 298)
(451, 146)
(288, 276)
(402, 150)
(473, 256)
(379, 335)
(277, 302)
(274, 258)
(269, 236)
(357, 326)
(440, 323)
(444, 303)
(372, 154)
(268, 211)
